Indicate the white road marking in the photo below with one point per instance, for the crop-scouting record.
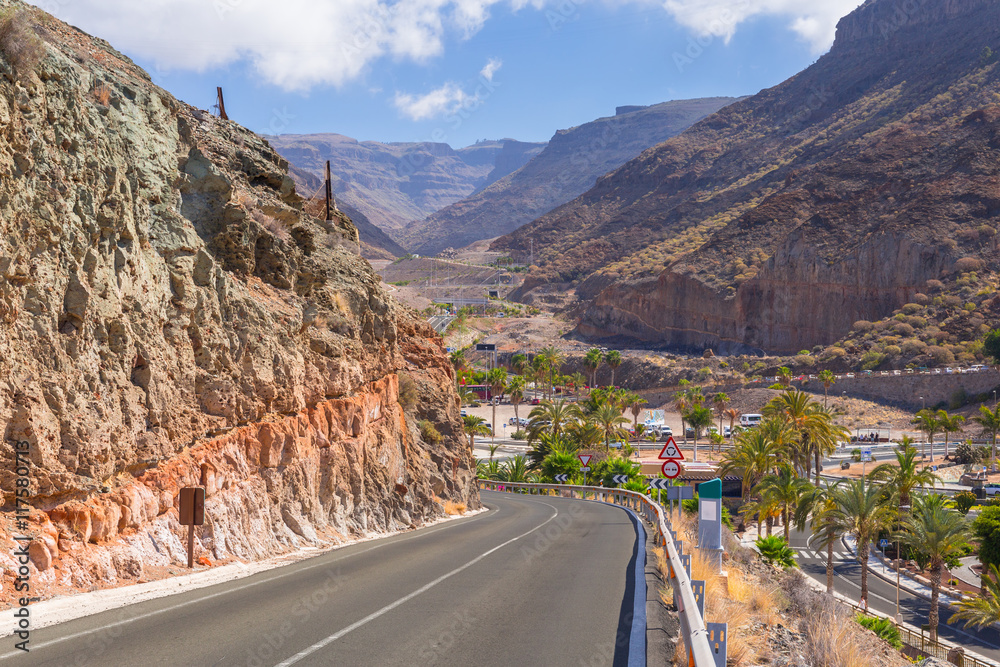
(406, 598)
(181, 605)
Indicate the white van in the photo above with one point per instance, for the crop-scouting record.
(749, 421)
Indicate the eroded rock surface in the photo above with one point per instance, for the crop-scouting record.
(169, 316)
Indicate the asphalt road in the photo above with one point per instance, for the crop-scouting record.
(533, 581)
(882, 596)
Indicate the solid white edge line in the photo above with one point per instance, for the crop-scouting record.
(181, 605)
(403, 600)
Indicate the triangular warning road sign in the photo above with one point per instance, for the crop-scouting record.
(585, 459)
(671, 452)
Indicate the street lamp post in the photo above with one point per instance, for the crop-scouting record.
(899, 565)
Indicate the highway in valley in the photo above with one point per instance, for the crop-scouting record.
(534, 580)
(882, 595)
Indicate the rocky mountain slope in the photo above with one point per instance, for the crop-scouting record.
(170, 317)
(394, 184)
(570, 164)
(783, 219)
(375, 244)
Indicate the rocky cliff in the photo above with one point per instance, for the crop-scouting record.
(570, 164)
(394, 184)
(169, 316)
(781, 220)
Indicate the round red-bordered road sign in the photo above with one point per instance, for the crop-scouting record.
(671, 469)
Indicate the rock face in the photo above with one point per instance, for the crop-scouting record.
(784, 218)
(570, 164)
(170, 316)
(394, 184)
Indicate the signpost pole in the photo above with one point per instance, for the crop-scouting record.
(190, 546)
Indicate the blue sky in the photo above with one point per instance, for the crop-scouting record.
(455, 71)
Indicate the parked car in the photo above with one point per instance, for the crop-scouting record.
(991, 489)
(727, 432)
(536, 401)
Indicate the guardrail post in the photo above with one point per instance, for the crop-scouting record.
(718, 640)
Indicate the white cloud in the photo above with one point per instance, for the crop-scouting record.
(300, 44)
(491, 68)
(815, 22)
(444, 101)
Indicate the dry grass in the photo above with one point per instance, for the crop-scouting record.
(277, 228)
(451, 508)
(19, 43)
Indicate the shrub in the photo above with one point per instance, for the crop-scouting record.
(959, 398)
(519, 434)
(407, 392)
(19, 44)
(429, 433)
(856, 455)
(775, 551)
(968, 264)
(964, 500)
(863, 326)
(883, 627)
(913, 308)
(871, 360)
(903, 329)
(987, 529)
(893, 350)
(968, 454)
(941, 356)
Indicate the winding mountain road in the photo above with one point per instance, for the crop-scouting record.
(534, 580)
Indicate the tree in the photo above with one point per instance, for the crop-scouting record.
(549, 417)
(949, 424)
(458, 362)
(560, 462)
(815, 432)
(817, 506)
(862, 512)
(609, 419)
(775, 551)
(989, 420)
(828, 379)
(518, 363)
(515, 470)
(927, 422)
(592, 361)
(784, 376)
(901, 479)
(991, 346)
(732, 414)
(987, 529)
(941, 534)
(516, 392)
(579, 382)
(635, 402)
(698, 417)
(984, 609)
(753, 455)
(613, 359)
(550, 359)
(783, 490)
(720, 402)
(474, 426)
(496, 378)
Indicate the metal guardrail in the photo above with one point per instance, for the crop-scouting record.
(693, 628)
(925, 645)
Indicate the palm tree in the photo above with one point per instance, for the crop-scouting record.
(927, 422)
(592, 361)
(634, 403)
(732, 414)
(516, 391)
(828, 379)
(518, 363)
(552, 360)
(784, 376)
(940, 534)
(474, 426)
(901, 479)
(989, 420)
(698, 417)
(458, 362)
(515, 470)
(754, 455)
(862, 512)
(466, 396)
(613, 359)
(817, 506)
(984, 609)
(784, 491)
(579, 381)
(720, 401)
(949, 424)
(775, 551)
(493, 450)
(813, 426)
(549, 417)
(681, 405)
(609, 419)
(496, 378)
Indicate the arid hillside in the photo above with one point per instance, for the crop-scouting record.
(783, 219)
(569, 166)
(170, 317)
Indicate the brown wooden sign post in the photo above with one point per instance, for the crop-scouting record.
(192, 513)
